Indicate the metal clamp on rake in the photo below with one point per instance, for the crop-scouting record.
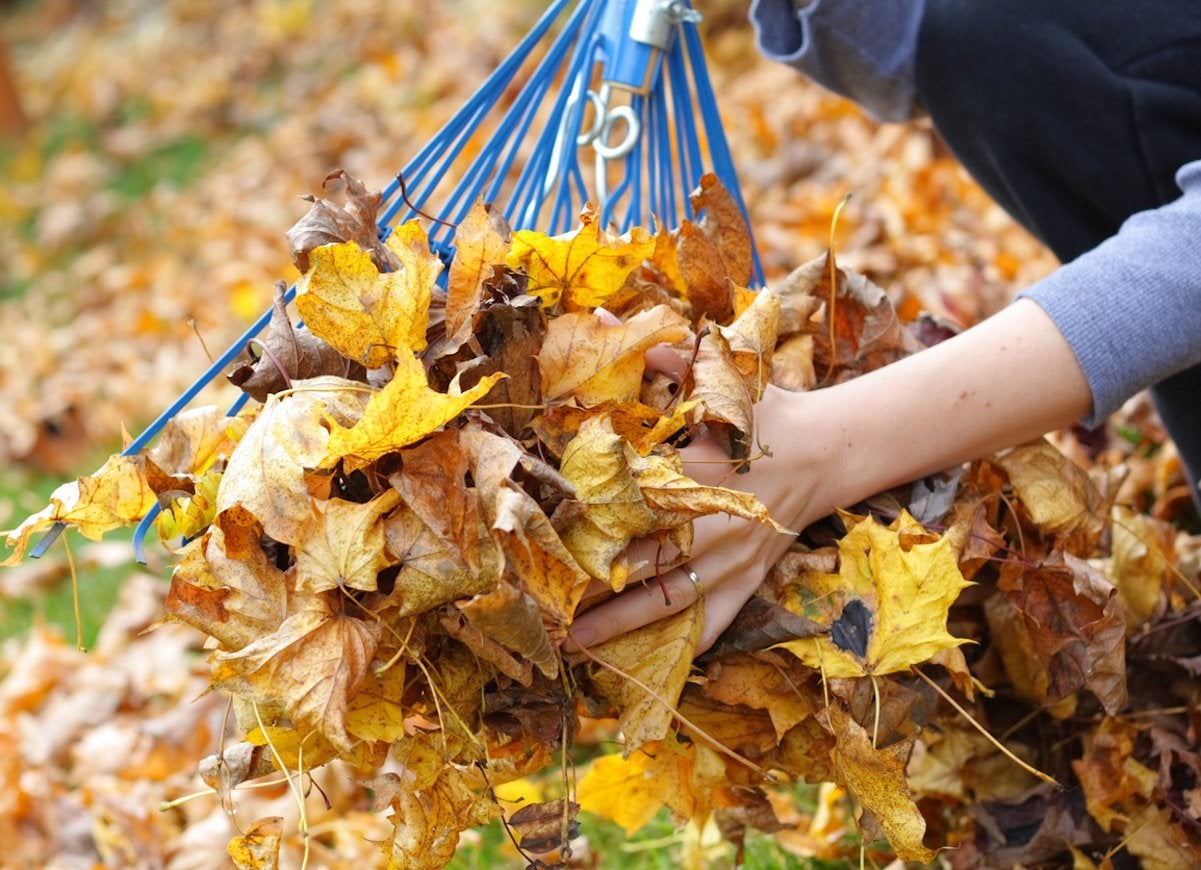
(625, 80)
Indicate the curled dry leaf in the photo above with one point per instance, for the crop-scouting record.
(290, 354)
(545, 827)
(258, 848)
(327, 223)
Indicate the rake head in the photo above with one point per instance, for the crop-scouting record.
(613, 107)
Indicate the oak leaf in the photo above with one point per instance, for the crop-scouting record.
(582, 268)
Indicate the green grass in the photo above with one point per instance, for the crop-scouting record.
(657, 846)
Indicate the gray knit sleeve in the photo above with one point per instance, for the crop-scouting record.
(1131, 307)
(862, 49)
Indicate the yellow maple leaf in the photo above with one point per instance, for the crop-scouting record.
(367, 315)
(597, 362)
(582, 268)
(313, 666)
(266, 474)
(900, 591)
(630, 790)
(658, 657)
(343, 544)
(116, 495)
(876, 777)
(625, 496)
(675, 498)
(613, 511)
(375, 713)
(403, 412)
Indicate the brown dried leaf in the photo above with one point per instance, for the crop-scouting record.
(512, 618)
(290, 354)
(312, 666)
(725, 226)
(481, 243)
(545, 827)
(328, 223)
(1059, 628)
(710, 290)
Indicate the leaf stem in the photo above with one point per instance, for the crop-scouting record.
(994, 741)
(708, 738)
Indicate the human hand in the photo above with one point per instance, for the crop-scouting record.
(730, 556)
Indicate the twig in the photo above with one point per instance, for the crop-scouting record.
(994, 741)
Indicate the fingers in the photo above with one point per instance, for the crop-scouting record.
(640, 604)
(661, 358)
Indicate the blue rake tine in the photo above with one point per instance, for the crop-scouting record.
(210, 374)
(659, 173)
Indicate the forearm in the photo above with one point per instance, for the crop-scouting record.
(1008, 380)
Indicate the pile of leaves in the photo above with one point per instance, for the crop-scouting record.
(386, 551)
(144, 211)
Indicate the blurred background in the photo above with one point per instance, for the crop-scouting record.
(152, 156)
